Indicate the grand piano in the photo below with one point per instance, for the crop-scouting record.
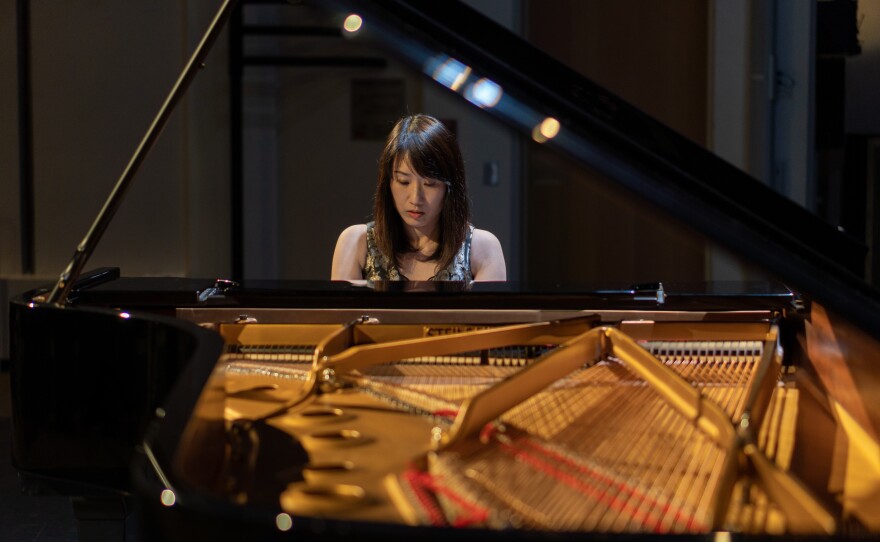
(266, 410)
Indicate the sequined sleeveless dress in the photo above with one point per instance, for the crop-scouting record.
(378, 267)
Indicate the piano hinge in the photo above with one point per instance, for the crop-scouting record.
(217, 290)
(649, 292)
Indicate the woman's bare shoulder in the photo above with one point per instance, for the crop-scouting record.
(483, 240)
(487, 256)
(354, 233)
(350, 253)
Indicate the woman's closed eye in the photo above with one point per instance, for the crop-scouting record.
(427, 183)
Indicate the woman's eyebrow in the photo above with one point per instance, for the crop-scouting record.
(396, 172)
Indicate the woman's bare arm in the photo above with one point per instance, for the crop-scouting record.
(487, 257)
(350, 254)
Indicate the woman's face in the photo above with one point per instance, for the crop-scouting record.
(418, 200)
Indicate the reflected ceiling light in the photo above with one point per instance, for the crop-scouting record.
(124, 315)
(451, 73)
(167, 497)
(484, 93)
(283, 521)
(353, 23)
(548, 129)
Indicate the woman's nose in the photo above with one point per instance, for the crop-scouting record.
(416, 191)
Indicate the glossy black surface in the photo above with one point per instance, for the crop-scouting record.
(159, 293)
(85, 382)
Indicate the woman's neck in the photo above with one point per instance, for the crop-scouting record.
(424, 243)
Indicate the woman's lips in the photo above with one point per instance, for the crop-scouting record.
(415, 214)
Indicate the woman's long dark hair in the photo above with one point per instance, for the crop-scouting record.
(432, 151)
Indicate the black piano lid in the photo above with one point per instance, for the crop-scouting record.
(148, 293)
(606, 134)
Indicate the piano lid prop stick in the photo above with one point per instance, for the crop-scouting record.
(86, 247)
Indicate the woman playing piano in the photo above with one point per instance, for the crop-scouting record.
(421, 226)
